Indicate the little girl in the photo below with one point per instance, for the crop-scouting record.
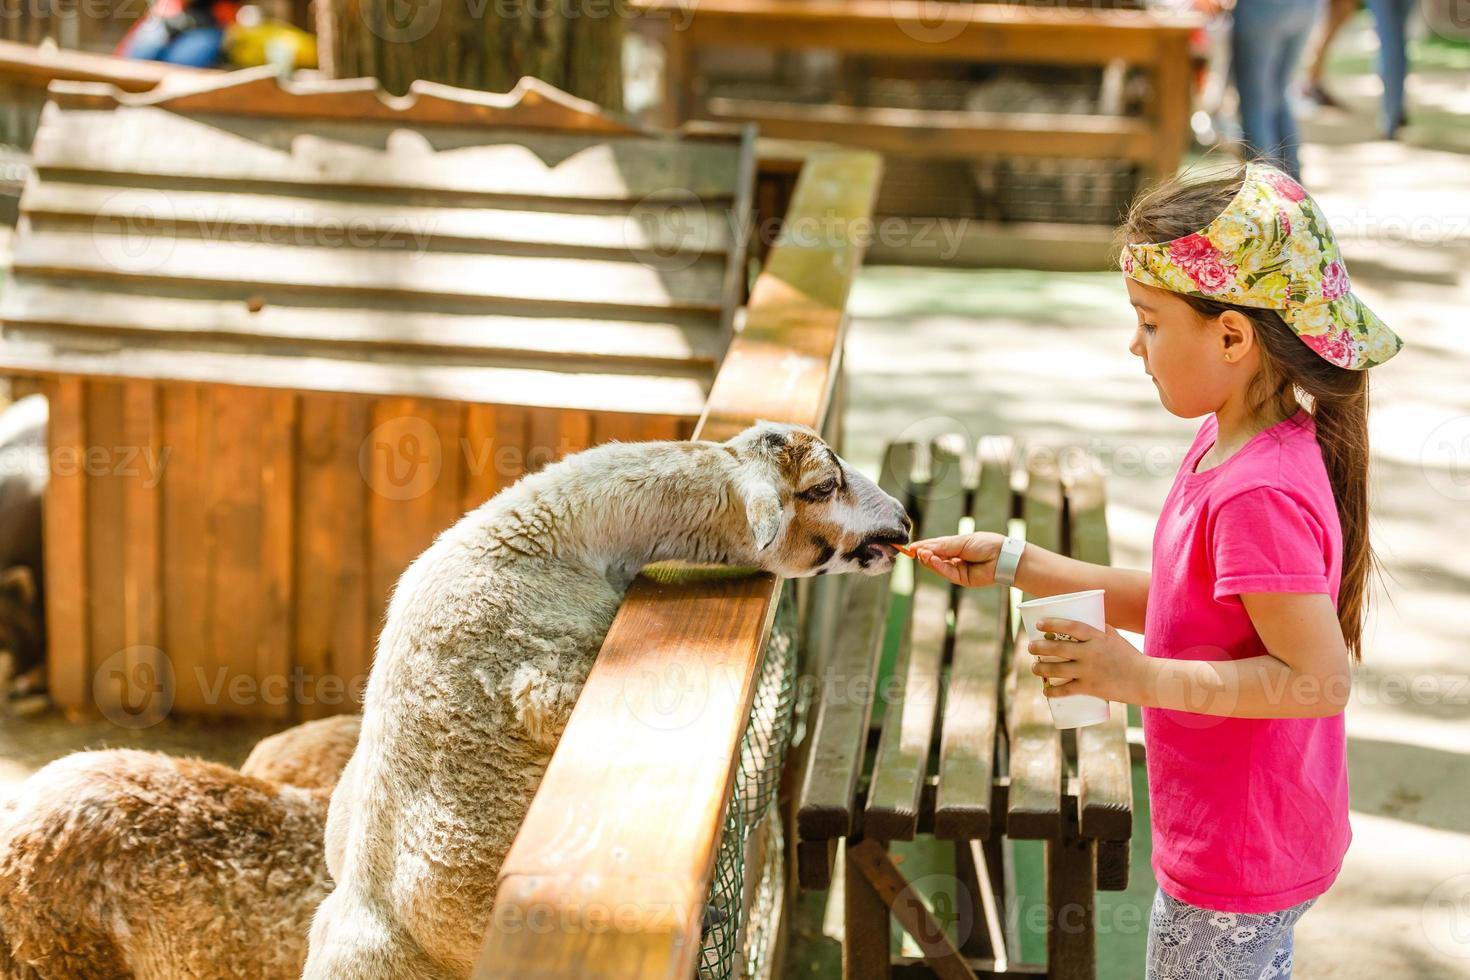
(1253, 613)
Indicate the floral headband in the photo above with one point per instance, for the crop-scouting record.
(1271, 248)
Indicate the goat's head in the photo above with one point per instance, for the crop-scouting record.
(809, 511)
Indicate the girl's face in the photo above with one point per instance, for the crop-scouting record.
(1184, 352)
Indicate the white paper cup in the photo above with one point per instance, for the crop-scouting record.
(1076, 710)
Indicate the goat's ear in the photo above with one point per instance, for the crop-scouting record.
(763, 511)
(20, 582)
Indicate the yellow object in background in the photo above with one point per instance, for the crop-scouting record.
(270, 42)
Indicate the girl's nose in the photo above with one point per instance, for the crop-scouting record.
(1135, 346)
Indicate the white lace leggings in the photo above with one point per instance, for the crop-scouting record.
(1186, 942)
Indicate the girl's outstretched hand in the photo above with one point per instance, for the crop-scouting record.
(964, 559)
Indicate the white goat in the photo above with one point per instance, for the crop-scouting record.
(489, 638)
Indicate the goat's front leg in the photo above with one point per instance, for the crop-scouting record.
(543, 690)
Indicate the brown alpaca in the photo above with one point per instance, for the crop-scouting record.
(128, 865)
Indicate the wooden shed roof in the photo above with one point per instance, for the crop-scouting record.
(524, 248)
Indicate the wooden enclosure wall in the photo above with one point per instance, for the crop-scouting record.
(229, 551)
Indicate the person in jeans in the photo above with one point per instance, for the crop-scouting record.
(1391, 17)
(1266, 44)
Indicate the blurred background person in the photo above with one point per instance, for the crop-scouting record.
(1266, 44)
(1391, 18)
(1335, 14)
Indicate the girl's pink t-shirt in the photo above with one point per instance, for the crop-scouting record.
(1249, 815)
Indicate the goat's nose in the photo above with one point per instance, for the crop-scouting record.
(908, 523)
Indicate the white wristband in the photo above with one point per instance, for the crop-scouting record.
(1009, 560)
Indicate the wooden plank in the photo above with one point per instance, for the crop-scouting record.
(107, 535)
(866, 946)
(64, 250)
(276, 649)
(142, 585)
(562, 227)
(870, 859)
(413, 479)
(902, 761)
(1034, 801)
(711, 619)
(154, 143)
(1172, 105)
(103, 315)
(68, 632)
(740, 226)
(403, 376)
(186, 559)
(1071, 905)
(814, 863)
(844, 703)
(481, 477)
(1113, 859)
(335, 622)
(32, 65)
(981, 863)
(263, 91)
(1104, 771)
(658, 858)
(626, 427)
(967, 745)
(911, 28)
(948, 133)
(233, 528)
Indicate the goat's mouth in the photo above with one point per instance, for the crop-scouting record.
(881, 546)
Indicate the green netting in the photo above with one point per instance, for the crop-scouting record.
(744, 902)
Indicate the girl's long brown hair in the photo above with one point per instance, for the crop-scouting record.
(1291, 374)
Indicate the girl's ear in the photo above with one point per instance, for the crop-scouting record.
(1237, 335)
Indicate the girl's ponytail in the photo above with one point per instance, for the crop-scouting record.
(1340, 409)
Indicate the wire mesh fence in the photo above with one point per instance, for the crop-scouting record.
(743, 907)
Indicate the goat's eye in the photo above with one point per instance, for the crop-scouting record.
(823, 489)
